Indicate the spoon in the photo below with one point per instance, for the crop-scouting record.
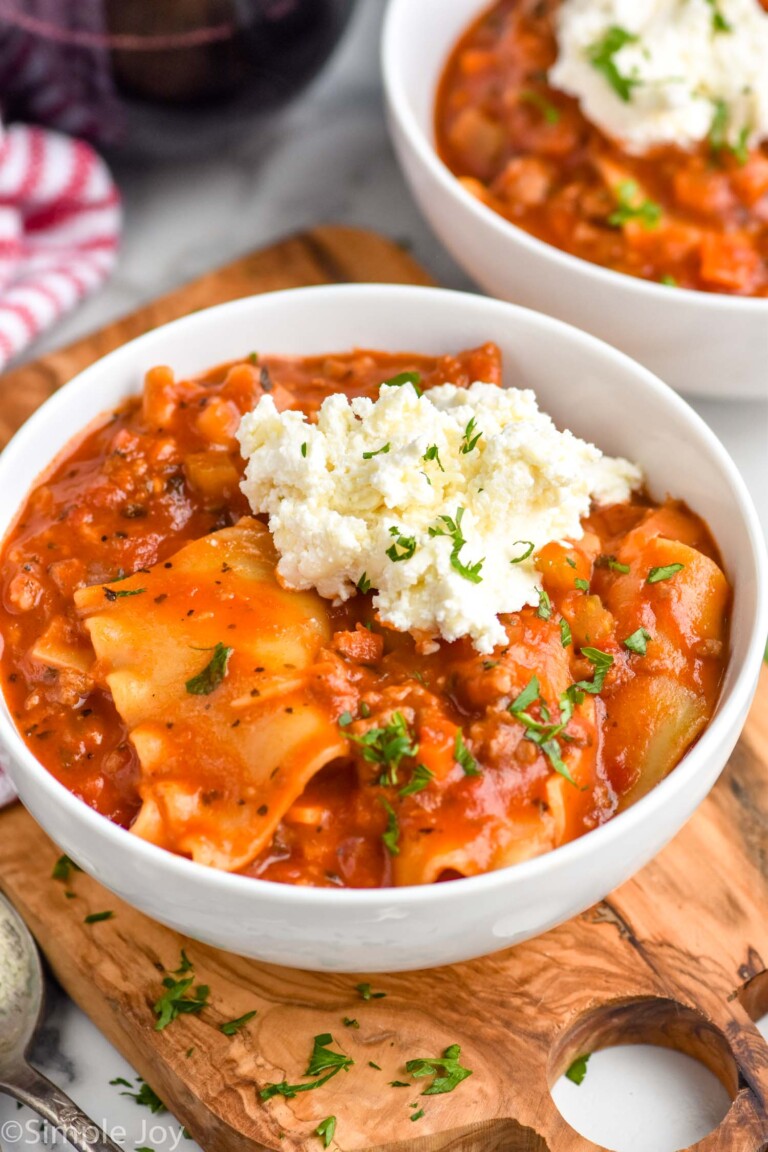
(21, 1005)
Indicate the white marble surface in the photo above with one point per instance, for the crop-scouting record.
(330, 160)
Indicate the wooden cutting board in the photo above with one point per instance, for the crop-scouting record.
(675, 957)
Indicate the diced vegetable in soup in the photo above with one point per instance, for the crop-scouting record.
(158, 664)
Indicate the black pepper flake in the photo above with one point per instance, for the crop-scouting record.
(255, 692)
(159, 599)
(262, 810)
(87, 712)
(104, 539)
(191, 612)
(167, 564)
(259, 669)
(265, 379)
(44, 734)
(169, 724)
(289, 711)
(133, 511)
(110, 594)
(13, 677)
(226, 567)
(235, 724)
(231, 625)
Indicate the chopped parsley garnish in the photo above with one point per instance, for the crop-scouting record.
(253, 357)
(391, 834)
(528, 546)
(470, 438)
(322, 1059)
(97, 917)
(325, 1130)
(463, 756)
(629, 207)
(718, 135)
(388, 746)
(656, 575)
(432, 453)
(419, 780)
(448, 1073)
(146, 1097)
(612, 563)
(668, 280)
(602, 661)
(365, 993)
(582, 585)
(719, 22)
(527, 697)
(214, 672)
(578, 1069)
(112, 594)
(570, 561)
(304, 448)
(638, 642)
(566, 636)
(452, 530)
(121, 1081)
(544, 735)
(179, 998)
(230, 1027)
(417, 1115)
(379, 452)
(548, 110)
(601, 57)
(406, 543)
(363, 585)
(63, 867)
(404, 378)
(345, 719)
(544, 610)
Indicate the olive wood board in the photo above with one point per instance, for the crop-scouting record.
(674, 957)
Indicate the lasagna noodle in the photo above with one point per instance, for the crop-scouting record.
(219, 768)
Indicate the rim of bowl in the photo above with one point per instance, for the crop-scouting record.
(565, 856)
(395, 88)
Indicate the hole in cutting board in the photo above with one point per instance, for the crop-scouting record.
(662, 1076)
(753, 996)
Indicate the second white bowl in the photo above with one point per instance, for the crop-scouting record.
(700, 343)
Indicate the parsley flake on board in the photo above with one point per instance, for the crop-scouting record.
(453, 531)
(231, 1027)
(432, 453)
(601, 57)
(463, 756)
(379, 452)
(214, 672)
(528, 545)
(325, 1130)
(387, 746)
(391, 834)
(63, 867)
(179, 997)
(365, 993)
(448, 1073)
(97, 917)
(578, 1069)
(656, 575)
(350, 1022)
(630, 207)
(638, 642)
(470, 438)
(321, 1060)
(406, 543)
(413, 378)
(417, 1115)
(548, 110)
(420, 779)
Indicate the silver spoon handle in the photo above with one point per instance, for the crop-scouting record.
(42, 1096)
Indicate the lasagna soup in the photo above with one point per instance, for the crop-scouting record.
(632, 135)
(169, 658)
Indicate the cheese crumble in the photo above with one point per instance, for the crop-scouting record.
(650, 72)
(430, 500)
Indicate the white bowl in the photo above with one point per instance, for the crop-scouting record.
(701, 343)
(586, 386)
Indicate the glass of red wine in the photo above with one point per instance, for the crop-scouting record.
(160, 77)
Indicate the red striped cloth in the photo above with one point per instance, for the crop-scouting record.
(59, 230)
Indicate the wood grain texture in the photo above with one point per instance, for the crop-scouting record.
(675, 957)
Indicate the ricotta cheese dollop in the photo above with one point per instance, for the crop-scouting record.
(651, 72)
(430, 500)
